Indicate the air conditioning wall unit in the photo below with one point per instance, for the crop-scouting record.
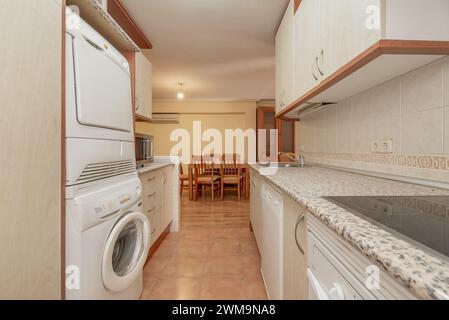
(167, 118)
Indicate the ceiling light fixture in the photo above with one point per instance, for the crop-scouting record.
(180, 94)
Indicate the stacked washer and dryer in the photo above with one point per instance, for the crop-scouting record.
(107, 235)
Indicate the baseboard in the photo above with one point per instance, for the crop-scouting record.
(158, 242)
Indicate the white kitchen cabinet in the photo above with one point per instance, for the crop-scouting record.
(158, 204)
(330, 33)
(167, 197)
(152, 201)
(255, 208)
(344, 47)
(347, 28)
(143, 99)
(307, 47)
(284, 60)
(294, 246)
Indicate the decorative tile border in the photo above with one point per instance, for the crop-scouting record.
(410, 161)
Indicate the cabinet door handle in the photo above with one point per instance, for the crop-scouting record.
(298, 223)
(137, 104)
(151, 179)
(152, 210)
(153, 231)
(320, 70)
(152, 195)
(313, 71)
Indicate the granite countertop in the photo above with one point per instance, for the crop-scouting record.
(153, 166)
(426, 275)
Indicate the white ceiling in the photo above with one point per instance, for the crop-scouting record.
(219, 49)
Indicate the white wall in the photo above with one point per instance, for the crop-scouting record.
(412, 110)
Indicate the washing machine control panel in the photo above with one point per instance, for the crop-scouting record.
(93, 208)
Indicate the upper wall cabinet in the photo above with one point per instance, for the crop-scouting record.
(284, 60)
(347, 28)
(347, 46)
(330, 33)
(143, 102)
(306, 46)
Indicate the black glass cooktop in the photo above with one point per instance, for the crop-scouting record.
(425, 220)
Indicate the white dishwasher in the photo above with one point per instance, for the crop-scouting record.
(272, 206)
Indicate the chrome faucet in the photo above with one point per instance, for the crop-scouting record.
(299, 159)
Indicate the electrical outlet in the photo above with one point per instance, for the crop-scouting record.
(382, 146)
(387, 146)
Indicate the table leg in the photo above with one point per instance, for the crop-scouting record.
(190, 183)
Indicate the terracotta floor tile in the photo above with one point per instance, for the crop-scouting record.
(224, 248)
(196, 234)
(249, 248)
(245, 235)
(224, 234)
(192, 248)
(167, 249)
(255, 288)
(223, 288)
(180, 288)
(225, 266)
(214, 256)
(185, 267)
(148, 285)
(156, 265)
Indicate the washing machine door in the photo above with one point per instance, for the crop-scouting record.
(126, 251)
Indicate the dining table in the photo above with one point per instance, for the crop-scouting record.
(245, 171)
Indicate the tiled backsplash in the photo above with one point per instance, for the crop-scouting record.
(412, 110)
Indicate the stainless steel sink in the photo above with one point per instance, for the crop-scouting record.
(280, 165)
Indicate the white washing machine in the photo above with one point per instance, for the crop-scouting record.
(107, 240)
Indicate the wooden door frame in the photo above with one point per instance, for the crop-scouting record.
(260, 124)
(280, 133)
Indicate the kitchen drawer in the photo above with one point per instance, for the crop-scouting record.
(155, 224)
(153, 201)
(151, 181)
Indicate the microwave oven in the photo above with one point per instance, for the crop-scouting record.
(144, 149)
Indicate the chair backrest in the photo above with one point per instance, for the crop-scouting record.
(204, 165)
(230, 165)
(181, 169)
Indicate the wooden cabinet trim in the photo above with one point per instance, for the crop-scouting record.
(406, 47)
(296, 6)
(122, 17)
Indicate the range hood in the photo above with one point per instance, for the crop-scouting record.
(306, 108)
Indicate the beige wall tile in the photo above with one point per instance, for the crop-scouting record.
(344, 114)
(361, 137)
(422, 132)
(446, 130)
(387, 100)
(388, 128)
(423, 89)
(361, 110)
(446, 82)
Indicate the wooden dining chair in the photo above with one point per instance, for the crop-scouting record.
(182, 179)
(231, 174)
(206, 176)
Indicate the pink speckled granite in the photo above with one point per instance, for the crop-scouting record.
(426, 275)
